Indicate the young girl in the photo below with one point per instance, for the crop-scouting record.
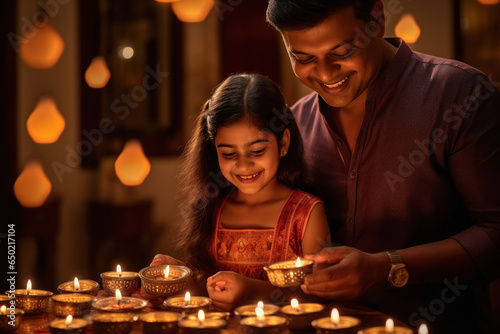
(241, 206)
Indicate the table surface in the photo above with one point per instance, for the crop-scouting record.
(368, 317)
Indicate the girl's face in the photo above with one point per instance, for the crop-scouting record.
(249, 157)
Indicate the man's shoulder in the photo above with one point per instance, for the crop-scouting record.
(305, 104)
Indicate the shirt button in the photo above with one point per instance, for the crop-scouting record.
(339, 142)
(352, 175)
(349, 221)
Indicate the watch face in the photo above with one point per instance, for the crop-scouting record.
(400, 277)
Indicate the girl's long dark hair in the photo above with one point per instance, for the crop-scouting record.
(251, 97)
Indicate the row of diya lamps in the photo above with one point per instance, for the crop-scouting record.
(189, 314)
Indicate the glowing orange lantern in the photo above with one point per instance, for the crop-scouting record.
(488, 2)
(132, 166)
(408, 29)
(32, 186)
(97, 74)
(43, 49)
(192, 10)
(45, 124)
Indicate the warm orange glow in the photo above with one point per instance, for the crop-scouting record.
(295, 304)
(408, 29)
(32, 186)
(3, 310)
(76, 284)
(132, 166)
(45, 124)
(166, 1)
(28, 286)
(298, 263)
(118, 294)
(488, 2)
(260, 304)
(335, 317)
(97, 74)
(423, 329)
(187, 297)
(43, 49)
(192, 10)
(167, 271)
(119, 269)
(389, 326)
(68, 320)
(201, 316)
(260, 314)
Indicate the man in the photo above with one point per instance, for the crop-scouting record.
(404, 151)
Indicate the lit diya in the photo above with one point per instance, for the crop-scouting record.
(68, 325)
(165, 280)
(126, 281)
(115, 323)
(389, 328)
(299, 316)
(32, 301)
(187, 304)
(159, 322)
(289, 273)
(79, 286)
(10, 318)
(335, 323)
(201, 324)
(262, 324)
(249, 310)
(74, 304)
(119, 304)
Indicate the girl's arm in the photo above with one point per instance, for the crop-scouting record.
(229, 290)
(317, 232)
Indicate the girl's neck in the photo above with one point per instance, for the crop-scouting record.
(269, 194)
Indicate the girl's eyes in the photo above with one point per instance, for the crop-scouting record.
(233, 154)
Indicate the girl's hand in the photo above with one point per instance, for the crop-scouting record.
(228, 289)
(160, 259)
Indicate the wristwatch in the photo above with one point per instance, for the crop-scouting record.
(398, 275)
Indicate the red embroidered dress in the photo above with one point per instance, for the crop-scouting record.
(246, 251)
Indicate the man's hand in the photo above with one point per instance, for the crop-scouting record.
(347, 273)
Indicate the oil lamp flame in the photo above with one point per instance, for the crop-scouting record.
(76, 284)
(259, 312)
(187, 298)
(68, 320)
(3, 309)
(389, 326)
(118, 295)
(167, 272)
(119, 270)
(423, 329)
(335, 317)
(295, 305)
(260, 304)
(298, 263)
(201, 317)
(28, 287)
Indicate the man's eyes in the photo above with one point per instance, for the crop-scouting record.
(332, 55)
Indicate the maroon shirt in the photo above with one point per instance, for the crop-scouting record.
(426, 165)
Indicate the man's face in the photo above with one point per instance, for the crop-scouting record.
(339, 58)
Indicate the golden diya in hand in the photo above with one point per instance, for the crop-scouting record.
(289, 273)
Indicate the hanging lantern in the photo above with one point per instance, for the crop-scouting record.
(408, 29)
(488, 2)
(32, 186)
(132, 166)
(43, 49)
(45, 124)
(97, 74)
(192, 10)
